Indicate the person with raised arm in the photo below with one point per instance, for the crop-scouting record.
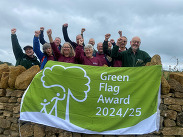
(88, 58)
(67, 53)
(57, 40)
(133, 57)
(27, 59)
(47, 53)
(67, 39)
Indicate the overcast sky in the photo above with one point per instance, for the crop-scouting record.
(159, 23)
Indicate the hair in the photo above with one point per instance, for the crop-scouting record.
(72, 53)
(58, 38)
(88, 46)
(125, 38)
(45, 46)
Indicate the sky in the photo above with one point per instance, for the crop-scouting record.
(159, 24)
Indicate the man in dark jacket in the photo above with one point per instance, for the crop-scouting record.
(57, 40)
(133, 57)
(26, 59)
(67, 39)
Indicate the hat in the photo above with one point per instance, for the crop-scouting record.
(28, 46)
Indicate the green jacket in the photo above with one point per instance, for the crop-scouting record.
(21, 58)
(129, 59)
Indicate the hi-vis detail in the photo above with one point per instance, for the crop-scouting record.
(93, 99)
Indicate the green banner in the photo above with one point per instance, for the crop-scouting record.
(94, 99)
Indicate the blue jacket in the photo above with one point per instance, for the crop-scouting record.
(42, 57)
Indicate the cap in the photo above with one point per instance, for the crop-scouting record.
(28, 46)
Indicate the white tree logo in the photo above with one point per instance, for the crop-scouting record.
(68, 83)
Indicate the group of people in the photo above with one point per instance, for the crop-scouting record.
(109, 52)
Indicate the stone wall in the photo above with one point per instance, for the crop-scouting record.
(14, 81)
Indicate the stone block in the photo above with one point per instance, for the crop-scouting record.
(177, 76)
(13, 120)
(163, 107)
(12, 100)
(4, 123)
(25, 78)
(155, 60)
(175, 86)
(7, 113)
(76, 134)
(172, 131)
(4, 99)
(9, 107)
(4, 80)
(16, 109)
(165, 87)
(27, 130)
(7, 132)
(9, 92)
(2, 106)
(16, 115)
(53, 130)
(178, 94)
(3, 68)
(14, 72)
(169, 114)
(67, 134)
(2, 92)
(175, 107)
(19, 100)
(169, 101)
(169, 123)
(167, 95)
(39, 130)
(14, 127)
(18, 93)
(14, 134)
(180, 119)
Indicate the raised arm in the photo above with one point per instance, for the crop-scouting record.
(79, 52)
(65, 34)
(115, 54)
(66, 37)
(17, 50)
(36, 45)
(55, 49)
(105, 44)
(82, 30)
(120, 33)
(41, 36)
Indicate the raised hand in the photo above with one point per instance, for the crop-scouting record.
(119, 41)
(42, 28)
(107, 36)
(65, 25)
(49, 32)
(37, 33)
(120, 33)
(13, 31)
(112, 41)
(82, 30)
(81, 42)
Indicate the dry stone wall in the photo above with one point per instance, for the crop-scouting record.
(14, 81)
